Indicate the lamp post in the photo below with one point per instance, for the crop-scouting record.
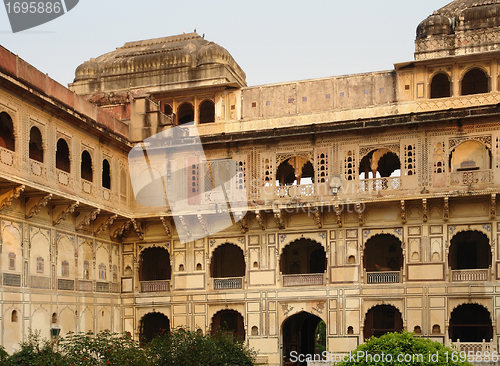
(54, 331)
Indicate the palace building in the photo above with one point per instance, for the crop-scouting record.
(372, 198)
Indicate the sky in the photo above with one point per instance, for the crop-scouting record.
(272, 41)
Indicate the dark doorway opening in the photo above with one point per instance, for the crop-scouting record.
(155, 265)
(300, 333)
(475, 81)
(470, 323)
(153, 324)
(470, 250)
(229, 321)
(382, 319)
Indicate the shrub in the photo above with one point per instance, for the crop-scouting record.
(395, 344)
(104, 348)
(193, 348)
(34, 352)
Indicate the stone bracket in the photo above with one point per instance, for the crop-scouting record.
(87, 220)
(107, 223)
(37, 207)
(165, 221)
(69, 210)
(7, 198)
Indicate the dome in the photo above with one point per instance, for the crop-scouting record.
(88, 70)
(459, 28)
(434, 24)
(160, 64)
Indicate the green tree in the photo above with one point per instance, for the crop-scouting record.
(385, 350)
(34, 352)
(103, 348)
(193, 348)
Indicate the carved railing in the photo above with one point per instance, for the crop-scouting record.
(37, 168)
(379, 184)
(85, 285)
(479, 349)
(155, 286)
(309, 279)
(102, 286)
(63, 177)
(40, 282)
(467, 178)
(383, 277)
(65, 284)
(228, 283)
(87, 187)
(106, 194)
(114, 287)
(458, 275)
(11, 279)
(7, 157)
(302, 190)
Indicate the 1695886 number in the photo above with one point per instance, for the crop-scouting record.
(33, 7)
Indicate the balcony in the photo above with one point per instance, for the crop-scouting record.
(476, 348)
(466, 178)
(303, 190)
(155, 286)
(383, 277)
(463, 275)
(310, 279)
(379, 184)
(230, 283)
(85, 285)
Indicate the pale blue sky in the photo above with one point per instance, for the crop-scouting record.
(273, 40)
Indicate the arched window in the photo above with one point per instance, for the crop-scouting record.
(153, 324)
(86, 270)
(12, 261)
(13, 317)
(86, 166)
(295, 171)
(469, 250)
(380, 163)
(36, 145)
(475, 81)
(115, 273)
(229, 321)
(470, 155)
(102, 271)
(54, 318)
(207, 111)
(440, 86)
(62, 156)
(65, 269)
(7, 139)
(185, 113)
(168, 109)
(39, 265)
(106, 174)
(382, 319)
(470, 323)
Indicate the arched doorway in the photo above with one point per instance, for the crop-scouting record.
(383, 253)
(229, 321)
(300, 333)
(470, 323)
(228, 260)
(382, 319)
(380, 163)
(303, 256)
(153, 324)
(207, 111)
(470, 155)
(185, 113)
(469, 250)
(154, 265)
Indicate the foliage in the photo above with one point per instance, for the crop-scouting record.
(193, 348)
(395, 344)
(320, 337)
(34, 352)
(103, 348)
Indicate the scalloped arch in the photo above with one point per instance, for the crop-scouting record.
(321, 316)
(485, 306)
(305, 236)
(462, 229)
(369, 234)
(384, 302)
